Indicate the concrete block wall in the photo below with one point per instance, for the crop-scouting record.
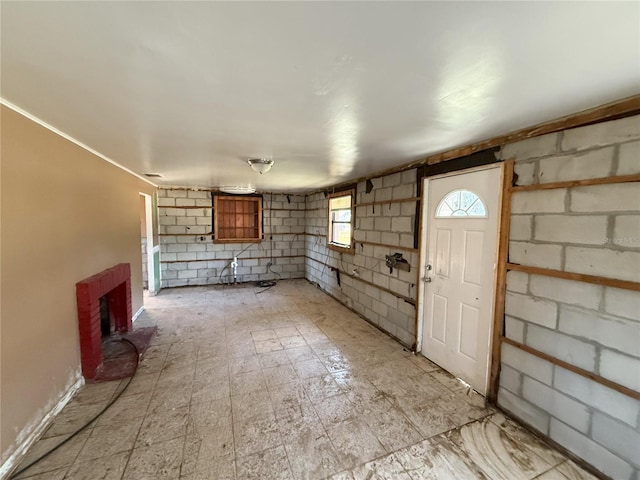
(593, 230)
(188, 256)
(380, 230)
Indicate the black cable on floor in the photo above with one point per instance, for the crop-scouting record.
(46, 454)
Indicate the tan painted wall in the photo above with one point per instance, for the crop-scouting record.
(66, 215)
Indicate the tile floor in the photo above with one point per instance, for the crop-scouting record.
(286, 384)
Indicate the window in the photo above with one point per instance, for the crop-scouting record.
(461, 203)
(340, 232)
(237, 219)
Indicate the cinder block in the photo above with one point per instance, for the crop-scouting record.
(390, 238)
(603, 262)
(589, 230)
(619, 197)
(407, 209)
(406, 240)
(187, 256)
(409, 176)
(530, 148)
(391, 301)
(177, 266)
(203, 202)
(168, 257)
(620, 368)
(517, 281)
(597, 396)
(402, 224)
(514, 329)
(539, 201)
(626, 231)
(522, 409)
(197, 212)
(182, 274)
(624, 303)
(166, 202)
(537, 311)
(383, 194)
(392, 180)
(366, 223)
(618, 437)
(175, 212)
(562, 347)
(197, 247)
(520, 227)
(545, 256)
(175, 230)
(525, 172)
(169, 274)
(558, 405)
(601, 134)
(166, 220)
(629, 159)
(528, 364)
(579, 166)
(198, 194)
(175, 248)
(186, 221)
(510, 379)
(177, 193)
(566, 291)
(584, 447)
(383, 224)
(614, 332)
(403, 191)
(185, 202)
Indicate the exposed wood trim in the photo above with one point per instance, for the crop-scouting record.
(497, 329)
(184, 206)
(186, 234)
(579, 277)
(387, 202)
(284, 209)
(229, 259)
(617, 109)
(578, 183)
(409, 300)
(386, 245)
(572, 368)
(314, 209)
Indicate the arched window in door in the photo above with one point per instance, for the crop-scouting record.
(461, 203)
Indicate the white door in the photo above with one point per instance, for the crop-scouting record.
(461, 217)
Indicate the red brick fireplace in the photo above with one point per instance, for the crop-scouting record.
(115, 283)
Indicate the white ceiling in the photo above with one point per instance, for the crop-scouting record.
(330, 90)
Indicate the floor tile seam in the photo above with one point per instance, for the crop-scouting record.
(53, 468)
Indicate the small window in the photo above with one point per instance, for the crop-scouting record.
(340, 232)
(461, 203)
(237, 219)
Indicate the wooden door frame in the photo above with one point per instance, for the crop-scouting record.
(497, 307)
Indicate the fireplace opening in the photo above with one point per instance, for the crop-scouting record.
(106, 325)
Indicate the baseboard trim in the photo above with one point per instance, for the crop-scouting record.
(14, 459)
(137, 314)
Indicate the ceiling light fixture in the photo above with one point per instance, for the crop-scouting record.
(237, 190)
(260, 165)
